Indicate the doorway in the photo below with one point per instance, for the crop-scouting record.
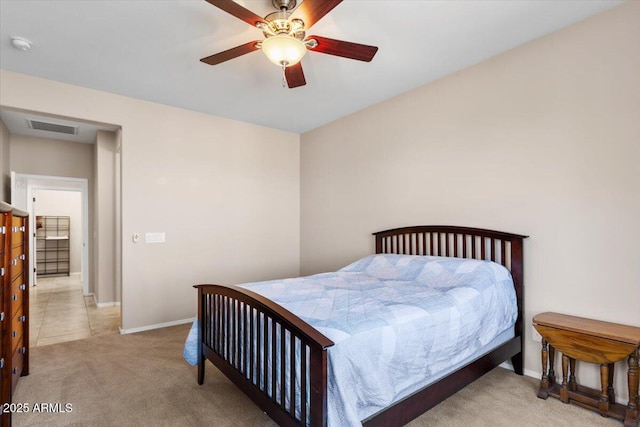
(24, 188)
(92, 152)
(62, 305)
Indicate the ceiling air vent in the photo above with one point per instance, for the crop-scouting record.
(52, 127)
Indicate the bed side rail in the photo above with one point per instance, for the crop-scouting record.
(275, 357)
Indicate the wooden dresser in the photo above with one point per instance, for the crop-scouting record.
(592, 341)
(14, 299)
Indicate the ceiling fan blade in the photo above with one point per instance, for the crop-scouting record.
(295, 76)
(236, 10)
(231, 53)
(360, 52)
(311, 11)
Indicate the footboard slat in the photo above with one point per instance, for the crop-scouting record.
(303, 382)
(292, 375)
(273, 370)
(254, 345)
(283, 362)
(277, 359)
(265, 355)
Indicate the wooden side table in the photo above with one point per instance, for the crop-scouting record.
(590, 341)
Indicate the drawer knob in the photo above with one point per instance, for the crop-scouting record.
(14, 371)
(22, 287)
(14, 333)
(23, 318)
(22, 257)
(14, 261)
(2, 317)
(14, 297)
(2, 363)
(23, 350)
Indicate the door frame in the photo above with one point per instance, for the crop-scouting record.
(22, 190)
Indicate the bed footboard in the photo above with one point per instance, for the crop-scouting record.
(273, 356)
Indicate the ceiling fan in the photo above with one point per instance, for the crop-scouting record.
(285, 41)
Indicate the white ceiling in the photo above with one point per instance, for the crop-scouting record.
(151, 50)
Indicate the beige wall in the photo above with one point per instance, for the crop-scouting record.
(104, 271)
(4, 164)
(226, 194)
(50, 157)
(543, 140)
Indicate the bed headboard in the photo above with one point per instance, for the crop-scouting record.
(462, 242)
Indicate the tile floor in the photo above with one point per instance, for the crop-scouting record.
(59, 312)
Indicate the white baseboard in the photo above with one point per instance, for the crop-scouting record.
(104, 304)
(107, 304)
(527, 372)
(156, 326)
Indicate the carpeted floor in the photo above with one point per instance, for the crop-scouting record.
(142, 380)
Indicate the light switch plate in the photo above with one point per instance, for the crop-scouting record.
(158, 237)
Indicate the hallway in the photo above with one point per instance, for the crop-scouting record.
(59, 312)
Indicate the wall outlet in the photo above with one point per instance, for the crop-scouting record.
(535, 335)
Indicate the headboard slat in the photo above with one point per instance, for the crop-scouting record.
(493, 249)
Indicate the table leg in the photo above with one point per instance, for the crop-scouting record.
(564, 391)
(603, 405)
(552, 362)
(543, 391)
(633, 409)
(572, 375)
(610, 391)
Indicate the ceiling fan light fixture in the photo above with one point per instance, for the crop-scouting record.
(283, 49)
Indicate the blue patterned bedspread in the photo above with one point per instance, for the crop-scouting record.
(397, 321)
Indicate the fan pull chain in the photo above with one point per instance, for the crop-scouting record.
(284, 75)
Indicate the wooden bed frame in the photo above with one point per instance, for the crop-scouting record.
(236, 327)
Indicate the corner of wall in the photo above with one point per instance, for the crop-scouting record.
(4, 163)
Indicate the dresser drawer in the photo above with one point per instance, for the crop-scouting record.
(16, 249)
(17, 231)
(18, 322)
(17, 362)
(18, 285)
(17, 261)
(16, 299)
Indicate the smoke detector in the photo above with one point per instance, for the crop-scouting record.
(21, 43)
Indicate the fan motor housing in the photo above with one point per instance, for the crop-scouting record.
(286, 4)
(279, 23)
